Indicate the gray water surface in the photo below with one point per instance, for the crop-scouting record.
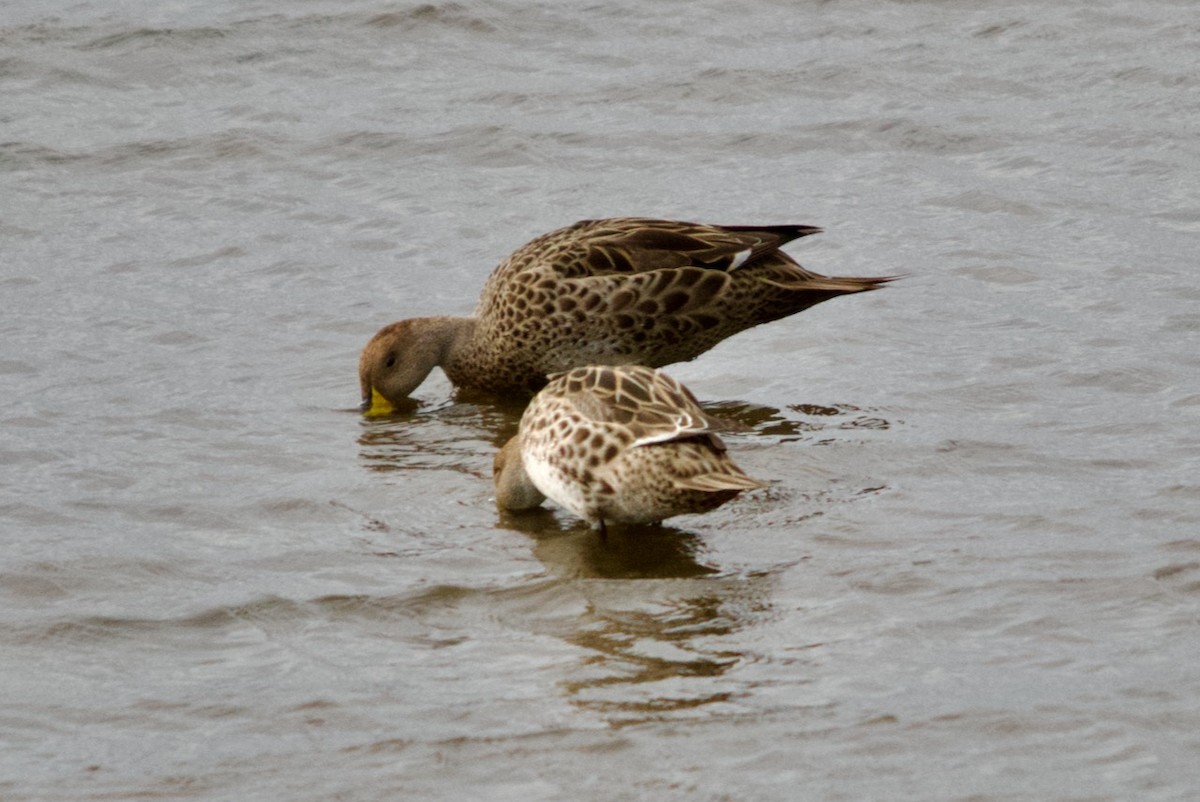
(976, 575)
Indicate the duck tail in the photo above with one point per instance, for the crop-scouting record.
(833, 285)
(716, 482)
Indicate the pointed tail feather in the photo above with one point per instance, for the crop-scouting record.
(839, 285)
(715, 482)
(784, 233)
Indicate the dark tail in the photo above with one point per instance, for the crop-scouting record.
(782, 234)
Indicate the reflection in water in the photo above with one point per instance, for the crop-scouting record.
(641, 656)
(628, 552)
(655, 662)
(798, 421)
(761, 420)
(646, 661)
(448, 436)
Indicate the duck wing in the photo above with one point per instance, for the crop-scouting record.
(649, 405)
(626, 245)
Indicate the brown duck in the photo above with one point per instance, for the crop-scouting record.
(619, 291)
(623, 444)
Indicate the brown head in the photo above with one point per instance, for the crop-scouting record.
(397, 359)
(514, 489)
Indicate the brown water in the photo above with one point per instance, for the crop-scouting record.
(976, 575)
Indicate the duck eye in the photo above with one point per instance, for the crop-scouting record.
(390, 361)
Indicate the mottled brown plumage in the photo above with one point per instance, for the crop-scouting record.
(617, 291)
(618, 444)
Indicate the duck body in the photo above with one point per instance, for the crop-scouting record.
(616, 291)
(618, 444)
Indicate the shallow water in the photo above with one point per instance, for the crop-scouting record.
(976, 574)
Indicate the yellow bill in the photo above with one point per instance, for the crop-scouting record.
(379, 405)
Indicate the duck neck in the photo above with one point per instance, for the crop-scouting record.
(514, 489)
(460, 353)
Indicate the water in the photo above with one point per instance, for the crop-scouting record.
(976, 576)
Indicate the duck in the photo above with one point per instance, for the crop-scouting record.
(623, 444)
(614, 291)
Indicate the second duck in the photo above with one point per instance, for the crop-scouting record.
(618, 444)
(625, 290)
